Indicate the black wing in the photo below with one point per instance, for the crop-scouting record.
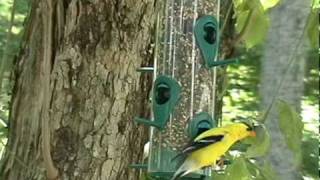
(195, 145)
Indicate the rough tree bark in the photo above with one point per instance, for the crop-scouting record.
(287, 25)
(76, 91)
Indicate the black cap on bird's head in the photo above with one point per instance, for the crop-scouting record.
(250, 127)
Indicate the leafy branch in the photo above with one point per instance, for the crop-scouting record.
(252, 20)
(5, 55)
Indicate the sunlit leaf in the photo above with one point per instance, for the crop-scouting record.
(242, 17)
(316, 4)
(313, 28)
(256, 29)
(291, 127)
(269, 3)
(252, 21)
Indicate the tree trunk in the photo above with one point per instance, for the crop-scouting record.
(288, 21)
(76, 91)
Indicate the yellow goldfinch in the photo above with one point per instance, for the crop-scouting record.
(210, 145)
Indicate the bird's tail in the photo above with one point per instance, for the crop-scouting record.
(178, 174)
(186, 168)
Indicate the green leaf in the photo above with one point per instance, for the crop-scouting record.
(242, 17)
(269, 3)
(261, 171)
(310, 150)
(4, 131)
(216, 176)
(260, 144)
(253, 168)
(256, 29)
(291, 127)
(266, 172)
(313, 28)
(238, 170)
(315, 4)
(252, 21)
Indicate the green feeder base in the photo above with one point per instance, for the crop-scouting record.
(166, 167)
(168, 176)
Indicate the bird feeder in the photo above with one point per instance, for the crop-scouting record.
(183, 95)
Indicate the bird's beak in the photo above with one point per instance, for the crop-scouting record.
(253, 134)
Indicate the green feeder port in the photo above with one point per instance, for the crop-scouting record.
(206, 32)
(166, 93)
(200, 123)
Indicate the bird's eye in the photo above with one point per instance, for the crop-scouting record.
(249, 129)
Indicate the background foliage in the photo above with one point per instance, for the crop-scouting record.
(11, 31)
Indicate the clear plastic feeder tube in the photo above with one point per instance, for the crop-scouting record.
(179, 57)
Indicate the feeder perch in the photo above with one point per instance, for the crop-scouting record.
(145, 69)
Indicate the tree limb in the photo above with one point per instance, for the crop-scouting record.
(52, 172)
